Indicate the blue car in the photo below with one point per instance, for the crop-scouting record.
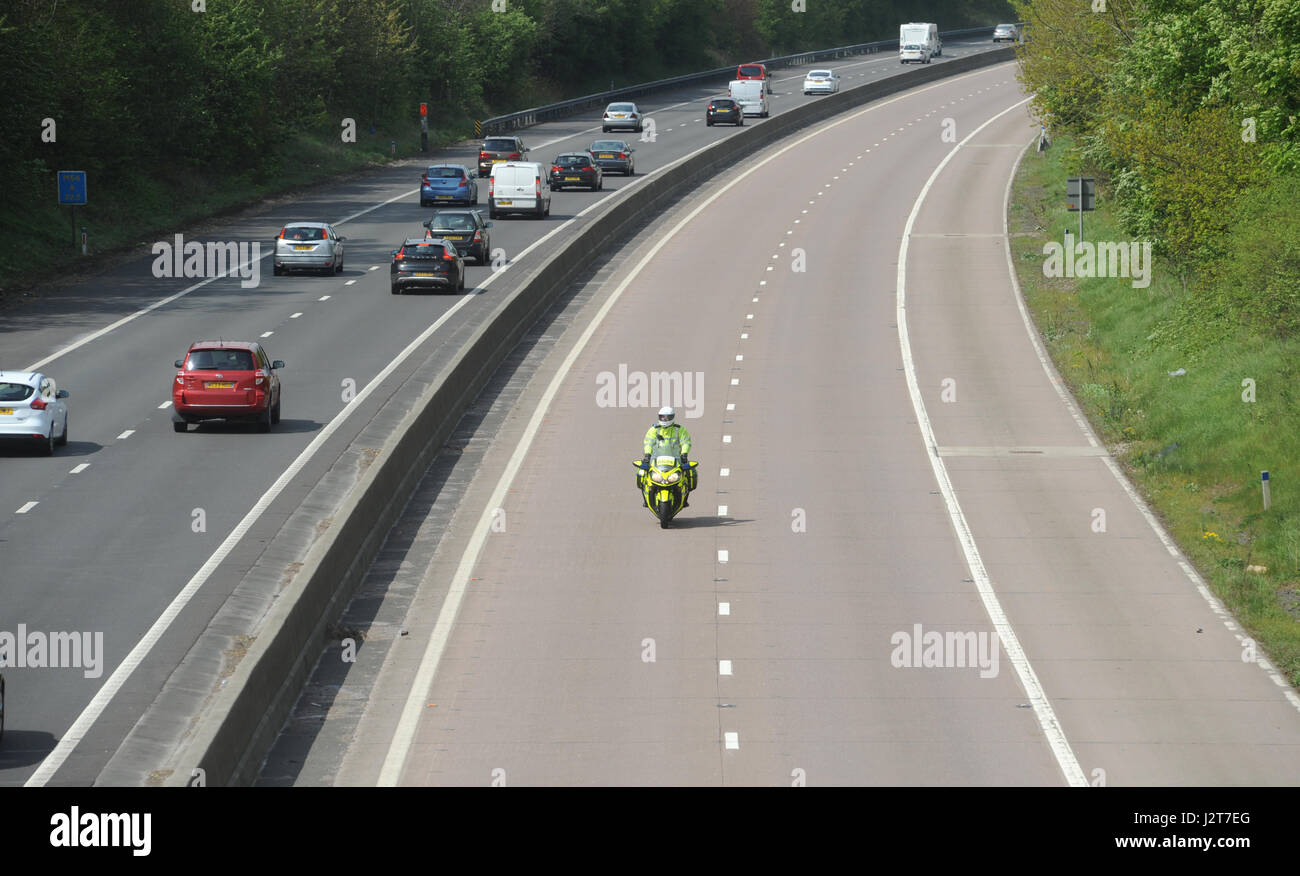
(448, 184)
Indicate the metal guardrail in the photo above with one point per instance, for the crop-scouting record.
(527, 118)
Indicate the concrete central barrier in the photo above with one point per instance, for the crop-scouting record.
(241, 717)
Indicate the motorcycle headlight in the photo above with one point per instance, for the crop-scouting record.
(656, 476)
(674, 477)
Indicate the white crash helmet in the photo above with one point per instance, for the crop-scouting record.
(666, 416)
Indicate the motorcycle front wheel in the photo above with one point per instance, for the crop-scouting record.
(665, 513)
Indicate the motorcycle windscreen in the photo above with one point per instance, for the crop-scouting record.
(670, 447)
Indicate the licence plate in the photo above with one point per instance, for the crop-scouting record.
(500, 160)
(442, 197)
(424, 273)
(606, 155)
(453, 237)
(8, 412)
(573, 179)
(619, 116)
(219, 384)
(303, 247)
(503, 203)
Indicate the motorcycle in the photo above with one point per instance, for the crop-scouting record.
(665, 485)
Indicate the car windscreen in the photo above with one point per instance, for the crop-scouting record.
(724, 103)
(220, 360)
(445, 173)
(911, 47)
(820, 74)
(750, 70)
(607, 146)
(452, 222)
(499, 145)
(621, 108)
(303, 233)
(412, 252)
(15, 392)
(572, 161)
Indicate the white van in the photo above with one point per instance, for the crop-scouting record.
(919, 42)
(519, 187)
(750, 94)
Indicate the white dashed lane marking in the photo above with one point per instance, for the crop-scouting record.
(29, 506)
(127, 434)
(80, 468)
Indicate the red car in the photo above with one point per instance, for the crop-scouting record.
(226, 380)
(755, 71)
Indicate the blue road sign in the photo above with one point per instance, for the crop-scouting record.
(72, 187)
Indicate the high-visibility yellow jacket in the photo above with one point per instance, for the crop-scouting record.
(658, 436)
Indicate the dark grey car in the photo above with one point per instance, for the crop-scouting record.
(467, 229)
(614, 155)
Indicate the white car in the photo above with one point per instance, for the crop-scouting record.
(821, 82)
(32, 407)
(621, 115)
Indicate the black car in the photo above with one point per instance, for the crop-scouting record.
(576, 169)
(427, 264)
(724, 109)
(498, 149)
(467, 229)
(614, 155)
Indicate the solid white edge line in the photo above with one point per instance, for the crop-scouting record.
(1058, 383)
(407, 724)
(1047, 719)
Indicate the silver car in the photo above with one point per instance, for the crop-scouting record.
(32, 407)
(821, 82)
(1005, 32)
(308, 246)
(621, 115)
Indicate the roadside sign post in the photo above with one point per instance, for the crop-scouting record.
(72, 193)
(1080, 197)
(1263, 478)
(424, 127)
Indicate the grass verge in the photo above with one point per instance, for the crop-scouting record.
(1193, 444)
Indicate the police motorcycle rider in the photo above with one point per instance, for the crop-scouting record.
(666, 430)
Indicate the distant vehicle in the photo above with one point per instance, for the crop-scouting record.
(621, 115)
(466, 229)
(724, 109)
(448, 183)
(750, 95)
(496, 150)
(426, 264)
(574, 169)
(226, 380)
(614, 155)
(308, 246)
(516, 187)
(32, 408)
(821, 82)
(1006, 32)
(919, 42)
(755, 70)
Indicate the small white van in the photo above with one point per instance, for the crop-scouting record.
(750, 94)
(519, 187)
